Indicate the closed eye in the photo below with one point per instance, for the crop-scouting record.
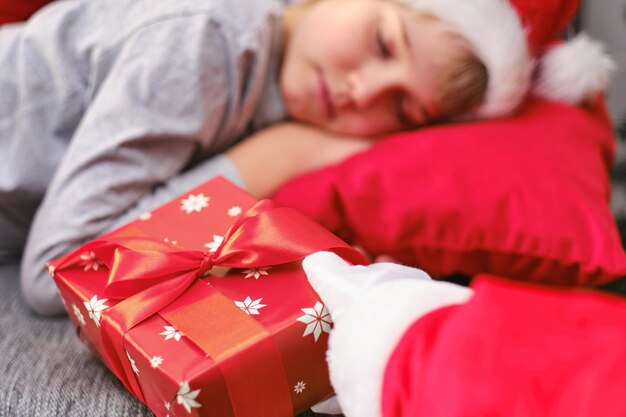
(383, 48)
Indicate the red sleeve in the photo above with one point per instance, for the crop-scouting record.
(535, 350)
(16, 11)
(406, 370)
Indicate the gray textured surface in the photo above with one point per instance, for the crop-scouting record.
(45, 371)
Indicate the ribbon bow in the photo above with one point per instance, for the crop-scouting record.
(148, 275)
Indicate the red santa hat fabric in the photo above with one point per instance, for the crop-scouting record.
(15, 11)
(512, 350)
(544, 20)
(514, 39)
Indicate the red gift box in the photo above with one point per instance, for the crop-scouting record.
(201, 307)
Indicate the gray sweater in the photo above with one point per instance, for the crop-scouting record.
(110, 108)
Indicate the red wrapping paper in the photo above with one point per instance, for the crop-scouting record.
(189, 337)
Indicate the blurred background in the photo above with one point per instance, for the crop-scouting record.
(606, 20)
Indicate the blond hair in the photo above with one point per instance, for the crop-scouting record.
(463, 82)
(463, 86)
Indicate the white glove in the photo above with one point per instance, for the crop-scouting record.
(339, 283)
(372, 307)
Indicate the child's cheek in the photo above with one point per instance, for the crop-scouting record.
(362, 124)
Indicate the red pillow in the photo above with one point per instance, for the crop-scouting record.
(17, 10)
(525, 197)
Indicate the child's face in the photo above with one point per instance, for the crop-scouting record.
(365, 67)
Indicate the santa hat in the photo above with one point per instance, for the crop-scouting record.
(515, 41)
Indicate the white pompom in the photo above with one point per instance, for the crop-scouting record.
(574, 71)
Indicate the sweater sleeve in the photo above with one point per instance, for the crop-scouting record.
(161, 103)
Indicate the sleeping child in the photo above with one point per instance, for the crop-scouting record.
(109, 109)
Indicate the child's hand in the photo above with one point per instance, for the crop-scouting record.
(280, 152)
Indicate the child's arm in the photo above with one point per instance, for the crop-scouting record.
(274, 155)
(163, 101)
(260, 164)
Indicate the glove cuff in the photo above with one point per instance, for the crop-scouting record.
(367, 334)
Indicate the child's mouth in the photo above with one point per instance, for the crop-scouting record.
(324, 96)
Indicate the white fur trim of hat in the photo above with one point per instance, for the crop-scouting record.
(571, 71)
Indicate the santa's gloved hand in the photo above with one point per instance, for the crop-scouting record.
(371, 306)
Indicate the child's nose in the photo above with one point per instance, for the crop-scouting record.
(366, 87)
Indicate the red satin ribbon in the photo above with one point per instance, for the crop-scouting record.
(148, 275)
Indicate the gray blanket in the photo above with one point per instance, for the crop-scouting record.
(46, 371)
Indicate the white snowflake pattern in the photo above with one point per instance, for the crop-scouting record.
(299, 387)
(256, 272)
(234, 211)
(50, 268)
(167, 240)
(186, 397)
(194, 203)
(167, 405)
(132, 363)
(156, 361)
(317, 320)
(90, 261)
(78, 314)
(94, 308)
(171, 333)
(213, 246)
(145, 216)
(250, 307)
